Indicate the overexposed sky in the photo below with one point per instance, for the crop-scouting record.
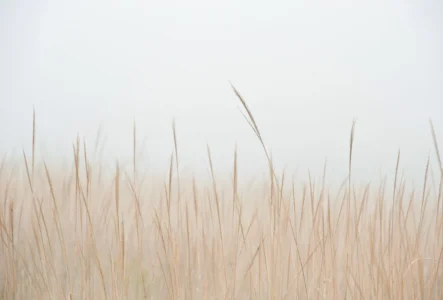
(306, 69)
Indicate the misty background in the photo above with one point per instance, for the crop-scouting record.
(305, 68)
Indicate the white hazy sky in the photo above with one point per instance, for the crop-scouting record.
(306, 69)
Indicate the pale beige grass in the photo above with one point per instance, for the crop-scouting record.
(77, 234)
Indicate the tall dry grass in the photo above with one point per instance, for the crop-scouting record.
(78, 234)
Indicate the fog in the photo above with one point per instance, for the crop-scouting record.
(307, 69)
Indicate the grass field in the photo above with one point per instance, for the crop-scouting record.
(82, 233)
